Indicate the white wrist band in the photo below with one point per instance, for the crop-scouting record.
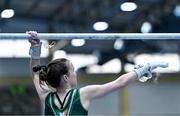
(141, 72)
(35, 51)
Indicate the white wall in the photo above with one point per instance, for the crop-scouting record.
(152, 99)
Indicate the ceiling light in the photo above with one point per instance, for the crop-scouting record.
(100, 26)
(128, 6)
(146, 27)
(78, 42)
(7, 13)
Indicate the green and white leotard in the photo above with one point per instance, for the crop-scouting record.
(72, 107)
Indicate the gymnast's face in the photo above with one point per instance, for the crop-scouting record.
(72, 77)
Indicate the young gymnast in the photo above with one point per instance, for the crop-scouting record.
(56, 83)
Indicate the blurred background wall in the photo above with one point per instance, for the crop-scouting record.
(95, 61)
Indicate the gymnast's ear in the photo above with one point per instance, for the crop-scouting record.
(66, 78)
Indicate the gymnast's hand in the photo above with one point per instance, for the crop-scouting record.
(32, 37)
(144, 72)
(35, 49)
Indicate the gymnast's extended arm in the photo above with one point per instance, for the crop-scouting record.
(91, 92)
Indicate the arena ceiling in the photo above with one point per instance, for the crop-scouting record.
(80, 15)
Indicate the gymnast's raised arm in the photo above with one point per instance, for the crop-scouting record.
(35, 51)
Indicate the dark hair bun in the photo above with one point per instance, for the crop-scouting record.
(43, 75)
(42, 72)
(36, 68)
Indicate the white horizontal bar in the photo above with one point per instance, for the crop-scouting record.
(93, 36)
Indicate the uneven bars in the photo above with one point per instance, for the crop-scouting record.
(94, 36)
